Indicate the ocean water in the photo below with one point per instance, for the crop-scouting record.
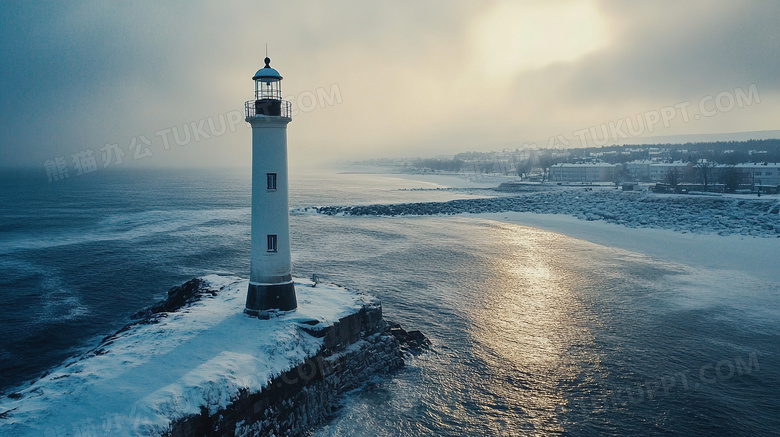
(533, 333)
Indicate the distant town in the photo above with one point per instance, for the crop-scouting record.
(726, 166)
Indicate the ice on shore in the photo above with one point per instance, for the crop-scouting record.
(173, 365)
(681, 213)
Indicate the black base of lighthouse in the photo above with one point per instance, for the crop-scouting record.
(262, 299)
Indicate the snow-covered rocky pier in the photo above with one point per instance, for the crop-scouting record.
(195, 364)
(722, 215)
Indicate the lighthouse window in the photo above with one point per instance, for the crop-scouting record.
(271, 178)
(272, 243)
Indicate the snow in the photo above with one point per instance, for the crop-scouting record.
(723, 215)
(138, 381)
(739, 255)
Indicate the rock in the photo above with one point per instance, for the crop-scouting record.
(355, 349)
(706, 215)
(414, 342)
(178, 297)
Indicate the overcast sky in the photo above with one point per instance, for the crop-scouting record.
(373, 79)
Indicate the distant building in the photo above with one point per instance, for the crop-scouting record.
(654, 151)
(658, 171)
(639, 170)
(765, 174)
(585, 172)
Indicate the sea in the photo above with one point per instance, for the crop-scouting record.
(533, 332)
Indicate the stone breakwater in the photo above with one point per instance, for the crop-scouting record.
(195, 365)
(682, 213)
(356, 349)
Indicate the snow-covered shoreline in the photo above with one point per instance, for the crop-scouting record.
(176, 364)
(684, 214)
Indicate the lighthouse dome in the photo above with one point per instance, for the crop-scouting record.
(267, 72)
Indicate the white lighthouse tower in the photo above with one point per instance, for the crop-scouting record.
(270, 280)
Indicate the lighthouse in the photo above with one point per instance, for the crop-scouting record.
(270, 280)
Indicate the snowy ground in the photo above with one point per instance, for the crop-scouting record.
(740, 255)
(721, 215)
(199, 356)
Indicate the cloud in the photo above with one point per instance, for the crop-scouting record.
(660, 54)
(679, 48)
(414, 78)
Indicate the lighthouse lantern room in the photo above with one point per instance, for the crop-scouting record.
(270, 281)
(268, 91)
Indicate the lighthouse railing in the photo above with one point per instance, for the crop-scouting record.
(251, 108)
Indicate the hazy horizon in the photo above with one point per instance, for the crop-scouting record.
(164, 85)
